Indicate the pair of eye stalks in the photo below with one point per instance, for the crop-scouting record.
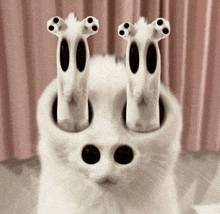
(143, 69)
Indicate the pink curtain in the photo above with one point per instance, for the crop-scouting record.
(190, 61)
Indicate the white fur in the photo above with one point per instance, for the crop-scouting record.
(70, 186)
(210, 209)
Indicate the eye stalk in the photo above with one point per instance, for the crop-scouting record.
(161, 29)
(91, 26)
(143, 67)
(72, 69)
(87, 26)
(127, 30)
(56, 26)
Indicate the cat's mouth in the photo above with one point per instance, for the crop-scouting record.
(107, 182)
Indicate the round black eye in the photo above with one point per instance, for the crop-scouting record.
(94, 28)
(151, 58)
(126, 25)
(123, 155)
(160, 22)
(90, 154)
(121, 32)
(55, 20)
(64, 55)
(81, 55)
(165, 30)
(51, 28)
(90, 20)
(134, 57)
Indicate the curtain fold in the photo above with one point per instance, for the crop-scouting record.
(190, 61)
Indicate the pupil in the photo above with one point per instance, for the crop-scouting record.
(64, 55)
(90, 154)
(151, 58)
(90, 20)
(134, 57)
(122, 32)
(51, 28)
(126, 25)
(81, 55)
(165, 31)
(160, 22)
(94, 28)
(123, 155)
(56, 20)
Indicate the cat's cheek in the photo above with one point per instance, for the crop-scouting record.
(127, 174)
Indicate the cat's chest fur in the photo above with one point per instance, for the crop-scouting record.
(70, 186)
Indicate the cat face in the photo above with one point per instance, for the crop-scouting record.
(105, 155)
(107, 152)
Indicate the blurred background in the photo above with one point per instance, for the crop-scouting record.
(190, 61)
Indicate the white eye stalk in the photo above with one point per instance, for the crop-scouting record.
(126, 30)
(143, 67)
(72, 69)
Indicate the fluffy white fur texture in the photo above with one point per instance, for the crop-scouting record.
(145, 186)
(207, 209)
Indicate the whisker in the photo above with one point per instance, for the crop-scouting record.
(198, 174)
(153, 164)
(156, 175)
(180, 183)
(152, 178)
(162, 163)
(155, 154)
(184, 169)
(205, 178)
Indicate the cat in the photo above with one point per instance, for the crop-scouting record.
(84, 172)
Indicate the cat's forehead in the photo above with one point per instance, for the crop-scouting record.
(72, 17)
(144, 29)
(107, 76)
(74, 25)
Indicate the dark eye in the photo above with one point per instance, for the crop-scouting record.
(134, 57)
(160, 22)
(165, 30)
(122, 32)
(126, 25)
(55, 20)
(90, 154)
(64, 55)
(81, 55)
(151, 58)
(123, 155)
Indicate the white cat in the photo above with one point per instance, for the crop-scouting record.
(108, 168)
